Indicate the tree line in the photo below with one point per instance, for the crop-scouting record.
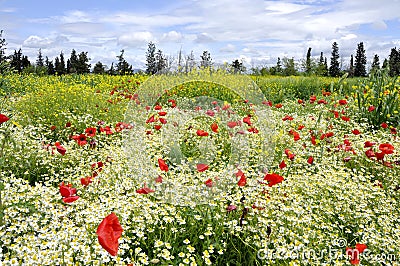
(158, 62)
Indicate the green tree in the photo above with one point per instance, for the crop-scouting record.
(289, 68)
(50, 67)
(385, 63)
(73, 62)
(19, 62)
(334, 68)
(360, 62)
(206, 60)
(59, 64)
(322, 69)
(375, 63)
(123, 66)
(161, 61)
(308, 66)
(351, 68)
(83, 65)
(151, 65)
(394, 62)
(99, 68)
(40, 60)
(237, 66)
(277, 70)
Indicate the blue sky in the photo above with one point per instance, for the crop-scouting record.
(255, 31)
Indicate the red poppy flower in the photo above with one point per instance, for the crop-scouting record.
(253, 130)
(343, 102)
(289, 154)
(313, 141)
(310, 160)
(61, 149)
(300, 127)
(371, 108)
(85, 181)
(67, 190)
(108, 233)
(345, 118)
(80, 139)
(68, 193)
(287, 117)
(214, 127)
(68, 124)
(208, 182)
(201, 133)
(239, 173)
(380, 155)
(163, 120)
(282, 164)
(157, 107)
(322, 101)
(210, 113)
(368, 144)
(278, 105)
(393, 130)
(269, 103)
(353, 255)
(313, 98)
(162, 113)
(329, 134)
(247, 120)
(242, 181)
(163, 166)
(296, 136)
(202, 167)
(159, 179)
(370, 153)
(356, 132)
(232, 124)
(150, 120)
(144, 190)
(157, 127)
(386, 148)
(336, 114)
(172, 102)
(90, 131)
(384, 125)
(299, 101)
(106, 129)
(3, 118)
(273, 179)
(70, 199)
(361, 247)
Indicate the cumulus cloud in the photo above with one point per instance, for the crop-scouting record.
(34, 41)
(135, 39)
(172, 36)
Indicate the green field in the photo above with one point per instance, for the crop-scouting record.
(200, 169)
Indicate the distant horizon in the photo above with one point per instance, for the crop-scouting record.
(255, 31)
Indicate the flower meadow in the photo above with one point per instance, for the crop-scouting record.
(206, 168)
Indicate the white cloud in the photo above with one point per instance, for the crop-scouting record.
(135, 39)
(34, 41)
(172, 36)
